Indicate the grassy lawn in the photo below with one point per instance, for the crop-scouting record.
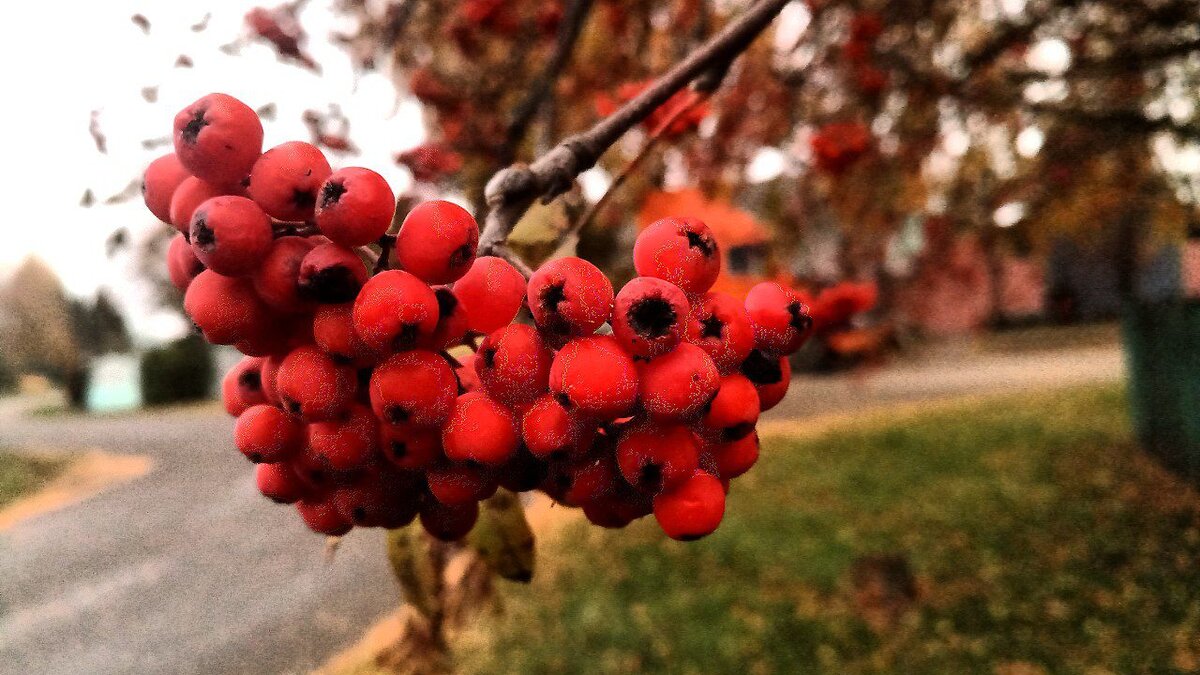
(1038, 538)
(20, 475)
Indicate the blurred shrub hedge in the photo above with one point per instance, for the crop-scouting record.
(179, 371)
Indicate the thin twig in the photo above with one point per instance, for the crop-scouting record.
(386, 243)
(513, 190)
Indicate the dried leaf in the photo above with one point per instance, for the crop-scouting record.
(503, 539)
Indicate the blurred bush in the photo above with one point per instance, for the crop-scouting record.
(179, 371)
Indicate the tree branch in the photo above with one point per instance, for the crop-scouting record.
(513, 190)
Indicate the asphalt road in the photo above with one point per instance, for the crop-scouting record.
(189, 570)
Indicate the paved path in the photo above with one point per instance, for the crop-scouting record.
(188, 570)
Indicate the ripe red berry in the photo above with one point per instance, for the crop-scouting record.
(265, 433)
(449, 523)
(733, 413)
(230, 235)
(594, 377)
(371, 501)
(452, 320)
(275, 334)
(680, 250)
(218, 138)
(190, 194)
(285, 179)
(719, 325)
(395, 311)
(678, 384)
(654, 457)
(279, 483)
(569, 296)
(345, 443)
(311, 385)
(332, 274)
(333, 332)
(437, 242)
(770, 376)
(159, 182)
(182, 263)
(225, 309)
(491, 294)
(408, 446)
(323, 517)
(548, 430)
(513, 364)
(618, 509)
(415, 387)
(734, 458)
(457, 484)
(649, 316)
(781, 322)
(591, 479)
(242, 386)
(269, 376)
(480, 430)
(468, 378)
(277, 276)
(355, 207)
(693, 509)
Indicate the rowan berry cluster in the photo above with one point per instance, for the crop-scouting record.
(352, 407)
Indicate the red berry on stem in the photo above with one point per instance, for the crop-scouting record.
(734, 411)
(182, 263)
(548, 429)
(218, 138)
(781, 322)
(734, 458)
(190, 194)
(333, 331)
(437, 242)
(770, 376)
(242, 386)
(277, 277)
(480, 430)
(649, 316)
(491, 294)
(594, 377)
(395, 311)
(323, 517)
(313, 386)
(159, 183)
(679, 250)
(719, 325)
(332, 274)
(569, 296)
(279, 483)
(269, 376)
(415, 387)
(230, 235)
(285, 179)
(654, 457)
(265, 433)
(347, 443)
(449, 523)
(225, 309)
(452, 320)
(411, 447)
(355, 207)
(693, 509)
(468, 377)
(513, 364)
(457, 484)
(678, 384)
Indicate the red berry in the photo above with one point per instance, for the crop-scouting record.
(719, 325)
(182, 263)
(332, 274)
(277, 276)
(649, 316)
(159, 182)
(242, 386)
(680, 250)
(480, 430)
(190, 194)
(355, 207)
(311, 385)
(594, 377)
(270, 378)
(468, 378)
(491, 293)
(218, 138)
(618, 509)
(655, 457)
(734, 458)
(457, 484)
(570, 296)
(437, 242)
(522, 473)
(548, 429)
(449, 523)
(395, 311)
(678, 384)
(333, 331)
(285, 179)
(411, 447)
(781, 322)
(279, 483)
(265, 433)
(275, 334)
(590, 479)
(225, 309)
(693, 509)
(322, 517)
(371, 501)
(452, 321)
(230, 235)
(734, 411)
(347, 443)
(415, 387)
(513, 364)
(770, 376)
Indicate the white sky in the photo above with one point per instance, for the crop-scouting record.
(64, 58)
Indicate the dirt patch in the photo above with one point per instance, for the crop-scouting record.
(87, 475)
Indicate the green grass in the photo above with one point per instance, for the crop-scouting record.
(1041, 541)
(20, 475)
